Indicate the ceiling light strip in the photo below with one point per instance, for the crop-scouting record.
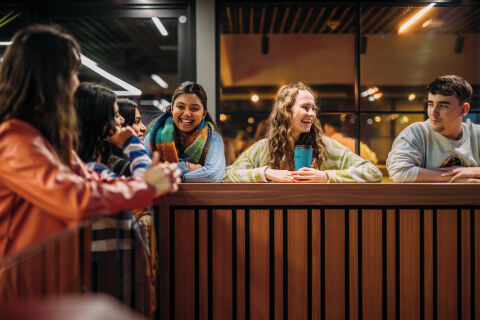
(159, 81)
(92, 65)
(160, 26)
(415, 17)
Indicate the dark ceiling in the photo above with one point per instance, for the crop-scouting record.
(132, 48)
(256, 19)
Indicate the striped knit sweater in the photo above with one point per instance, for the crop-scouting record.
(115, 232)
(342, 165)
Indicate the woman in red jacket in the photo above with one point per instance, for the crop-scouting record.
(44, 186)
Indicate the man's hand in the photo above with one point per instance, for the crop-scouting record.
(279, 175)
(455, 173)
(310, 175)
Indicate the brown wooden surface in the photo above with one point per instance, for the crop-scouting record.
(316, 264)
(54, 266)
(342, 194)
(259, 265)
(353, 265)
(278, 247)
(297, 264)
(335, 264)
(428, 238)
(477, 264)
(241, 265)
(447, 263)
(184, 265)
(202, 265)
(466, 265)
(372, 263)
(278, 195)
(163, 276)
(222, 264)
(409, 264)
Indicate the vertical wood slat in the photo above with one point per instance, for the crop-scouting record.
(391, 264)
(297, 264)
(259, 264)
(372, 263)
(163, 275)
(334, 264)
(476, 281)
(222, 264)
(203, 265)
(428, 263)
(316, 265)
(278, 248)
(466, 265)
(353, 268)
(447, 264)
(409, 264)
(241, 265)
(184, 264)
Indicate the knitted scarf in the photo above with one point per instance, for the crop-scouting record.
(164, 138)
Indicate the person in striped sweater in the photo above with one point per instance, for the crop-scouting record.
(100, 125)
(293, 121)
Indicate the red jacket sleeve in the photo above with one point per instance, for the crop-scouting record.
(31, 169)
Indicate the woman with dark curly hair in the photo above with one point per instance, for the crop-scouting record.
(293, 121)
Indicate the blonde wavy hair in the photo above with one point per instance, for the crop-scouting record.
(280, 132)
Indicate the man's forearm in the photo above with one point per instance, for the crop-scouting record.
(428, 175)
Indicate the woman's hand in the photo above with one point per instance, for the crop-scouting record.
(145, 222)
(279, 175)
(192, 166)
(121, 135)
(165, 177)
(310, 175)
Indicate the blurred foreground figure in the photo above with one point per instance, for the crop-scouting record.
(44, 186)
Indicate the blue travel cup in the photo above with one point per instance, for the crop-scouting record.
(303, 156)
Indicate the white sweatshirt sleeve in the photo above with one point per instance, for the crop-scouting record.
(407, 155)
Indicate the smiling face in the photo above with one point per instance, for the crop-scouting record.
(445, 114)
(138, 125)
(303, 113)
(188, 111)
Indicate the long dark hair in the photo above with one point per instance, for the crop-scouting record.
(36, 84)
(190, 87)
(127, 109)
(94, 105)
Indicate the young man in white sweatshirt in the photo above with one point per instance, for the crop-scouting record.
(442, 148)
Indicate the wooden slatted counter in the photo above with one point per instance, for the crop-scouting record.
(319, 251)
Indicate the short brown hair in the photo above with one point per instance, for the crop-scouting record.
(450, 85)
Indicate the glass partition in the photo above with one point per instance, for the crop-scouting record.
(265, 47)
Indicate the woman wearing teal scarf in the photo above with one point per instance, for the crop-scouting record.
(186, 134)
